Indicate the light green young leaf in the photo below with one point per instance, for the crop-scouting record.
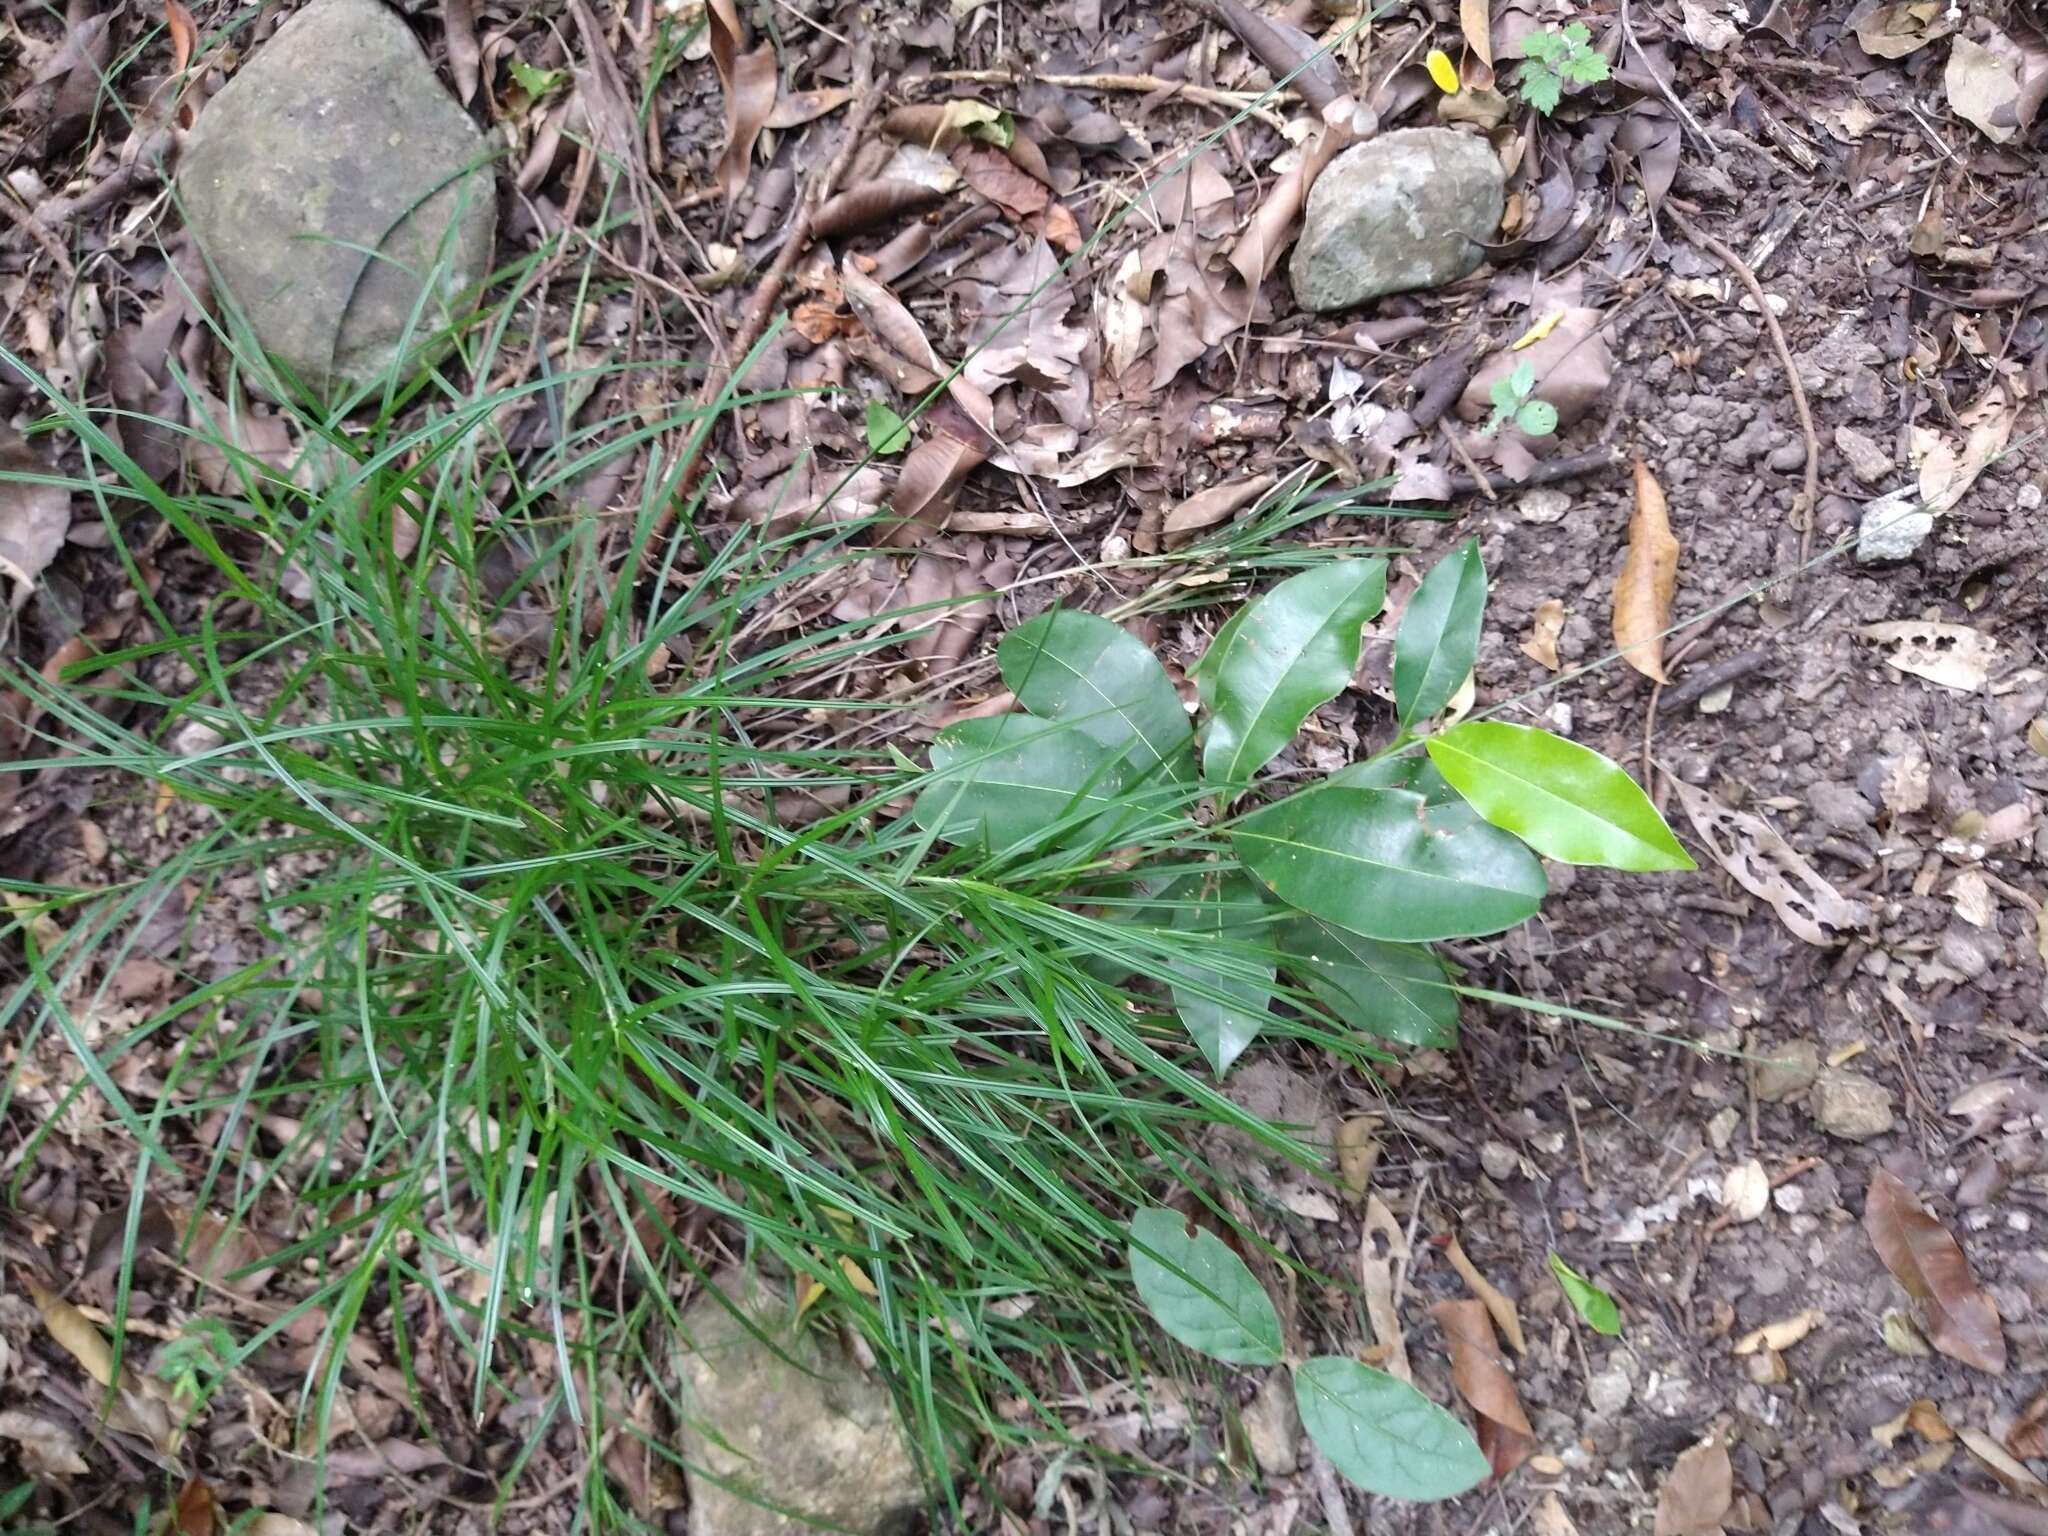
(1072, 666)
(887, 432)
(1202, 1293)
(1232, 913)
(1587, 1299)
(1537, 418)
(1397, 991)
(1007, 780)
(1384, 1435)
(1288, 651)
(1566, 801)
(1388, 865)
(1439, 634)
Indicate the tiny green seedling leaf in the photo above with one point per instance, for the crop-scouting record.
(1201, 1292)
(887, 432)
(1510, 398)
(1536, 418)
(535, 82)
(1550, 59)
(1384, 1435)
(1587, 1299)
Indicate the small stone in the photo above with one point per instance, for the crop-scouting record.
(1273, 1425)
(1848, 1104)
(1789, 1072)
(1499, 1160)
(790, 1416)
(1610, 1390)
(334, 141)
(1403, 211)
(1839, 807)
(1892, 527)
(1545, 504)
(1867, 461)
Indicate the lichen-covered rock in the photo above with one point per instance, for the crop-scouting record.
(1403, 211)
(1851, 1105)
(335, 141)
(793, 1420)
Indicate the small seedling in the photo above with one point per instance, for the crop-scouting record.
(887, 432)
(1512, 403)
(1377, 1430)
(1551, 59)
(196, 1362)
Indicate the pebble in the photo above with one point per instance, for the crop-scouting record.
(1400, 212)
(1892, 527)
(1789, 1072)
(1851, 1105)
(1867, 461)
(1839, 806)
(1609, 1391)
(1499, 1160)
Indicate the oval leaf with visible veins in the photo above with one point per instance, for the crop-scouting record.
(1201, 1292)
(1007, 780)
(1282, 655)
(1566, 801)
(1069, 665)
(1439, 635)
(1384, 1435)
(1960, 1318)
(1398, 991)
(1389, 865)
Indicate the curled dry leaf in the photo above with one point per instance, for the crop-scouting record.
(1499, 1306)
(1781, 1334)
(1946, 475)
(999, 179)
(872, 202)
(1549, 1518)
(1895, 29)
(1205, 509)
(33, 518)
(923, 494)
(2028, 1436)
(1765, 865)
(47, 1450)
(137, 1410)
(795, 108)
(1358, 1153)
(1648, 579)
(748, 83)
(1953, 655)
(1958, 1317)
(1265, 236)
(1475, 20)
(196, 1513)
(465, 56)
(1482, 1379)
(2002, 1464)
(1697, 1494)
(1382, 1255)
(1544, 630)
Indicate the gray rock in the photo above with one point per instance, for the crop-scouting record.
(1839, 807)
(1399, 212)
(1850, 1105)
(1789, 1072)
(332, 141)
(804, 1427)
(1892, 527)
(1867, 461)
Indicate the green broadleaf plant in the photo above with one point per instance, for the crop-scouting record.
(1338, 886)
(888, 433)
(1550, 61)
(1587, 1299)
(1377, 1430)
(1513, 404)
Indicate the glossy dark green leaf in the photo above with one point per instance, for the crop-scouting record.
(1007, 780)
(1397, 991)
(1230, 914)
(1201, 1292)
(1382, 1434)
(1288, 651)
(1587, 1299)
(1439, 635)
(1073, 666)
(1409, 769)
(1566, 801)
(1387, 864)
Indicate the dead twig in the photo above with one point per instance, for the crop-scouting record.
(1810, 497)
(1572, 466)
(1144, 85)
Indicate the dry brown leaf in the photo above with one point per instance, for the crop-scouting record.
(279, 1525)
(1648, 580)
(2002, 1464)
(1544, 630)
(1548, 1518)
(184, 34)
(1475, 20)
(1698, 1492)
(1983, 88)
(1946, 475)
(1765, 865)
(1958, 1317)
(923, 493)
(1482, 1379)
(1953, 655)
(1205, 509)
(1781, 1334)
(47, 1450)
(74, 1331)
(871, 202)
(465, 57)
(1382, 1255)
(1358, 1153)
(1265, 236)
(1891, 31)
(33, 518)
(195, 1513)
(748, 84)
(999, 179)
(939, 124)
(795, 108)
(1499, 1307)
(2028, 1436)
